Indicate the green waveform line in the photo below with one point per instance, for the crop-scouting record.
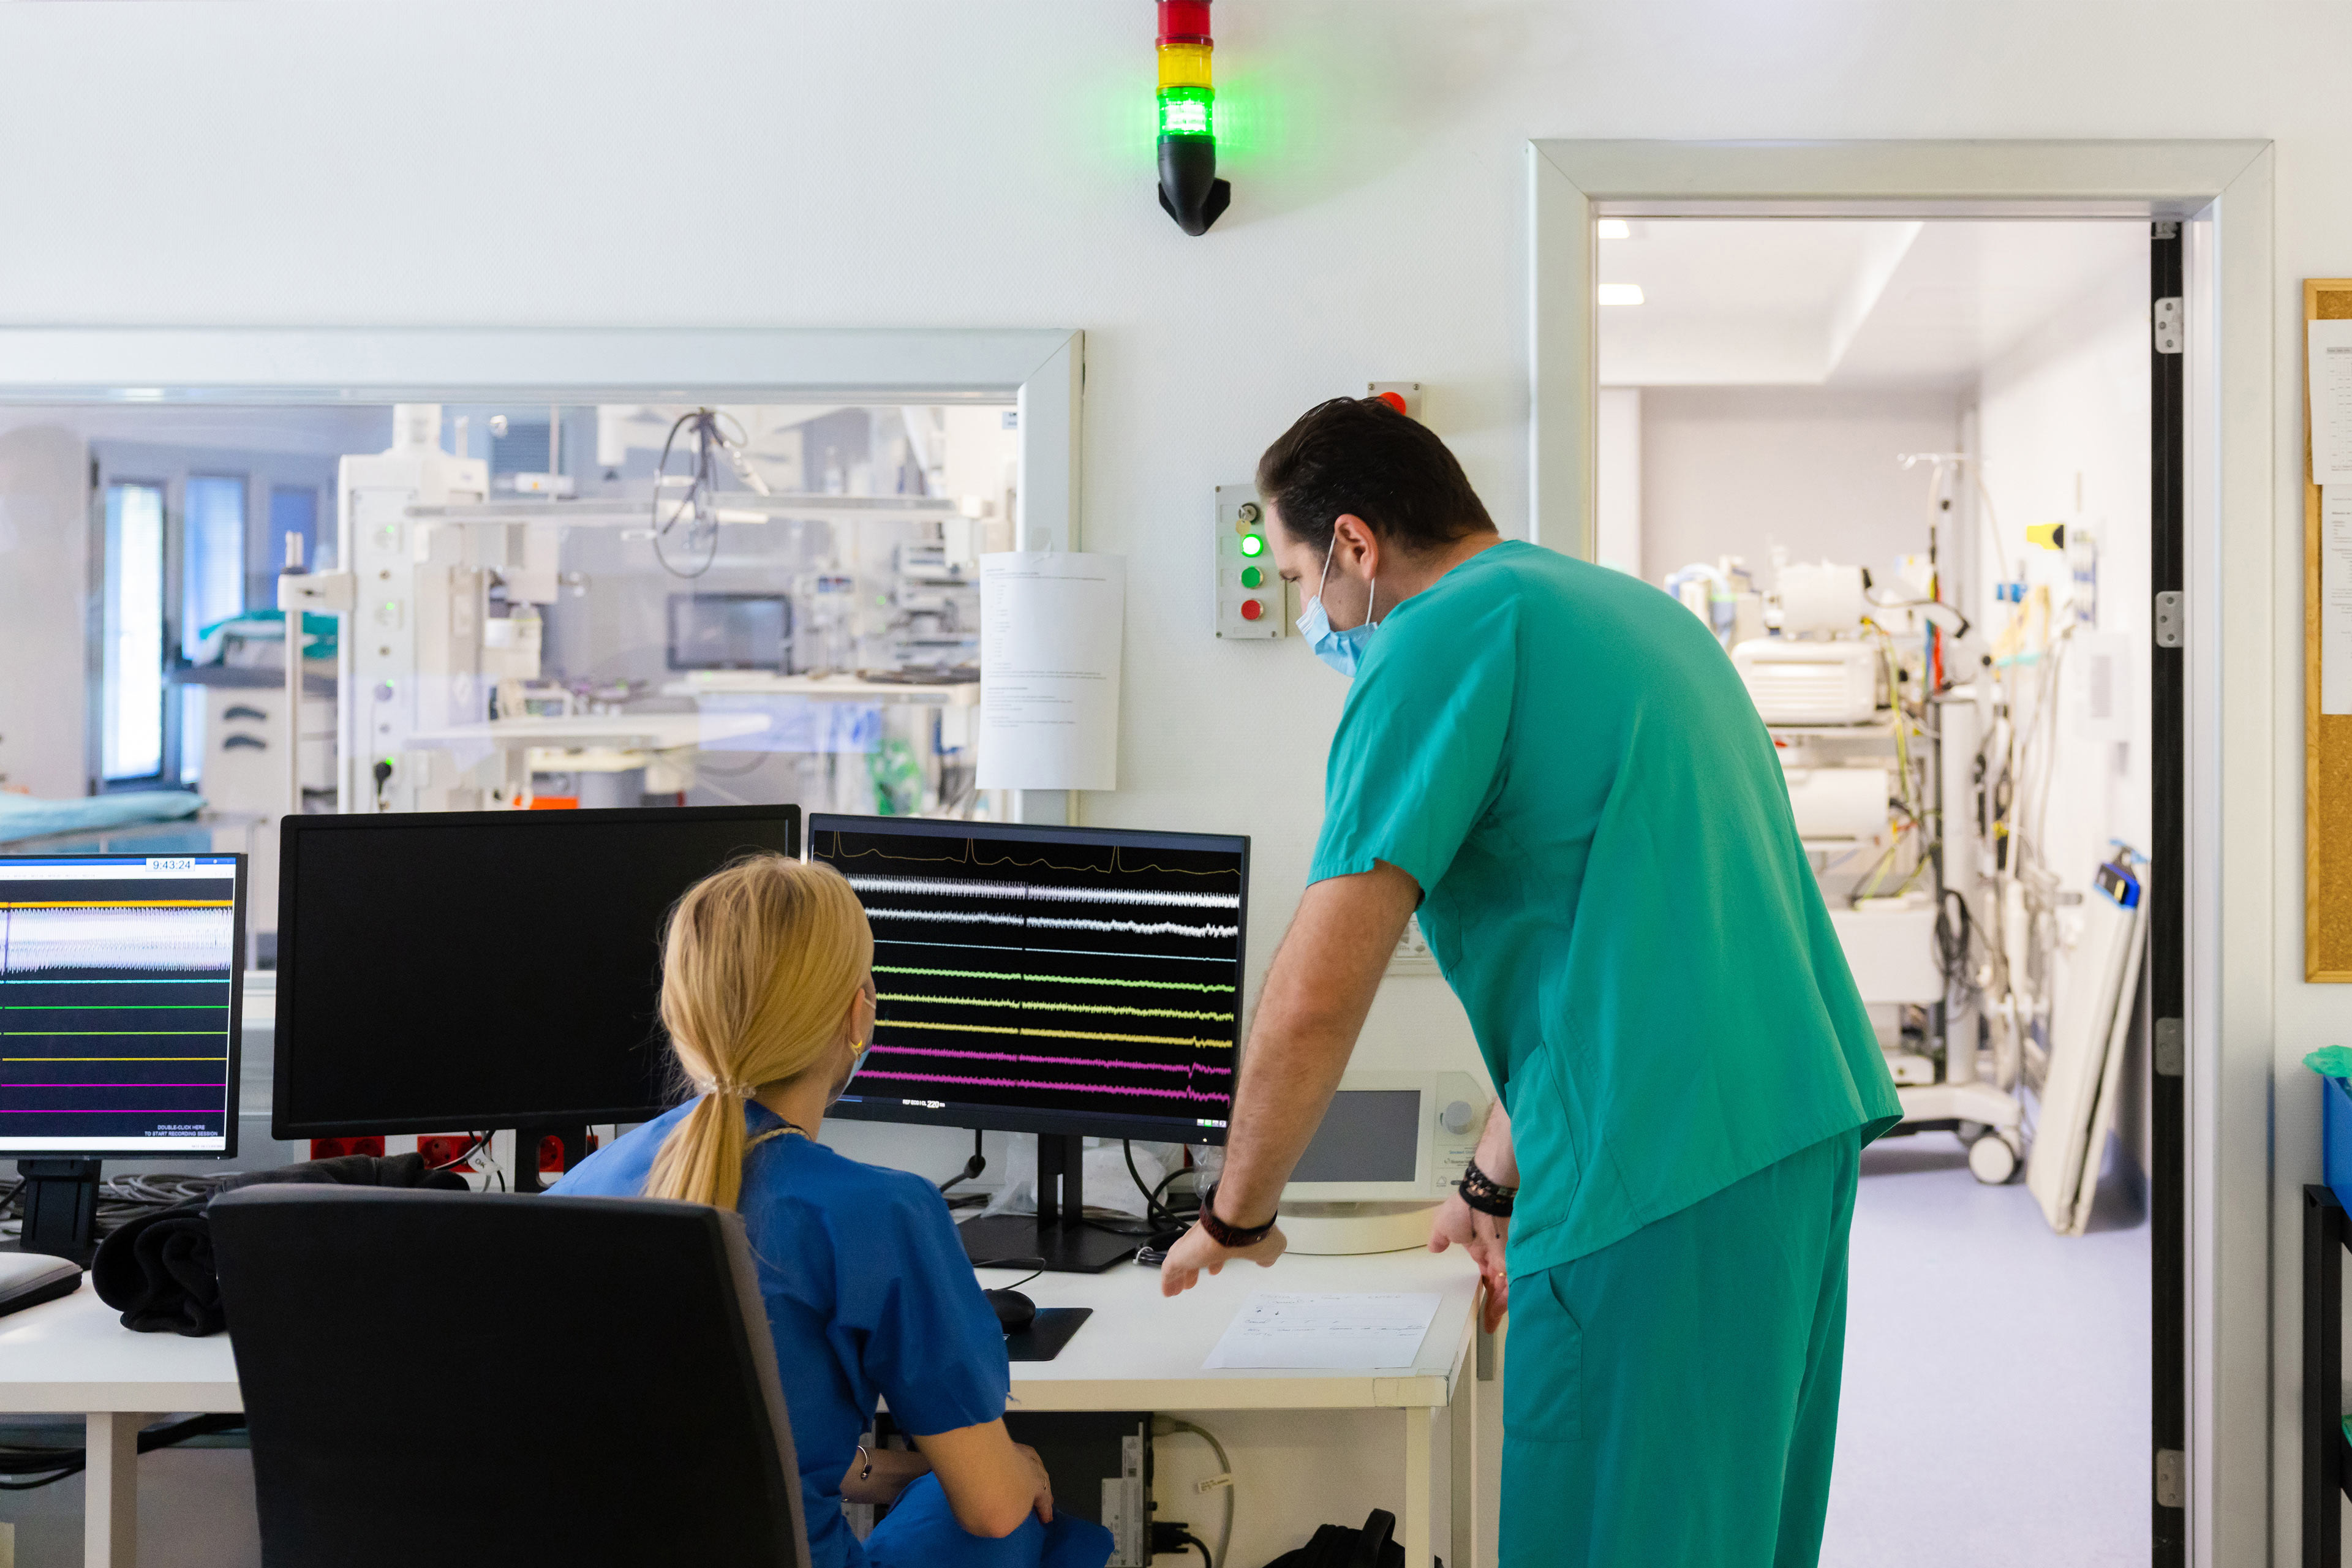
(1054, 979)
(1175, 1040)
(1064, 1007)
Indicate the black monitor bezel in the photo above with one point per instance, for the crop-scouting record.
(1013, 1119)
(235, 1015)
(293, 830)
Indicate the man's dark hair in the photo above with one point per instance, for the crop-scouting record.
(1358, 455)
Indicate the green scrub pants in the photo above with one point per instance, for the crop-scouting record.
(1672, 1399)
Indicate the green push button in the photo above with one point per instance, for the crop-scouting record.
(1252, 577)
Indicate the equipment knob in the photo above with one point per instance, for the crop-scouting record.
(1456, 1117)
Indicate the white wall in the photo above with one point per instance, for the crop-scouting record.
(930, 161)
(1735, 469)
(44, 578)
(2062, 427)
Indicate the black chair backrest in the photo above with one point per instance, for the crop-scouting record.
(477, 1377)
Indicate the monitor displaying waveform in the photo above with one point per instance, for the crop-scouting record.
(1046, 979)
(119, 1003)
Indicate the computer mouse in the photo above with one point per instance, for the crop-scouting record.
(1014, 1312)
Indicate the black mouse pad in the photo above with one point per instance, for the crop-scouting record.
(1046, 1334)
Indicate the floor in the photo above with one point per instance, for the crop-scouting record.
(1995, 1403)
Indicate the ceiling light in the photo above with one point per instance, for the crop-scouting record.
(1620, 293)
(1616, 229)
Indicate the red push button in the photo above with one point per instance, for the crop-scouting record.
(1252, 609)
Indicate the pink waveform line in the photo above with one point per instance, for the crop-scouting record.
(163, 1110)
(113, 1086)
(1049, 1061)
(1073, 1087)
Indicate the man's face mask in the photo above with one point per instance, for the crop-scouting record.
(1343, 651)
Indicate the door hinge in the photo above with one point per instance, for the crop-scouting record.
(2171, 1048)
(2171, 618)
(2170, 333)
(2171, 1478)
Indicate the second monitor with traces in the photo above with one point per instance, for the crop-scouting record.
(1069, 982)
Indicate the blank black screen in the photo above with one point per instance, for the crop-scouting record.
(451, 972)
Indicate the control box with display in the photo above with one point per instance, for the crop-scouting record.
(1391, 1136)
(1250, 598)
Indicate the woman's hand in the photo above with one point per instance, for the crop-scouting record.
(1042, 1505)
(1484, 1237)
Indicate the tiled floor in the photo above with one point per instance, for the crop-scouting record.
(1995, 1403)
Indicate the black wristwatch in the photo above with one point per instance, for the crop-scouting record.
(1233, 1236)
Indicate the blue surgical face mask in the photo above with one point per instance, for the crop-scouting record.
(1343, 651)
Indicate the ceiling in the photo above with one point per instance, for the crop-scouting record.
(1809, 302)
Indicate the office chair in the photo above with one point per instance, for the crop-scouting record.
(478, 1377)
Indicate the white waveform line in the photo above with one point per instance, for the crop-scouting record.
(1138, 927)
(115, 939)
(1057, 895)
(953, 917)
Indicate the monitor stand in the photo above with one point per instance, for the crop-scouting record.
(1059, 1234)
(526, 1156)
(61, 1207)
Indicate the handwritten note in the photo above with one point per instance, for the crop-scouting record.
(1276, 1329)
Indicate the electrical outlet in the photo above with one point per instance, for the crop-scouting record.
(446, 1151)
(1412, 956)
(336, 1147)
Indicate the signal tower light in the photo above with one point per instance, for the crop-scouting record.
(1190, 191)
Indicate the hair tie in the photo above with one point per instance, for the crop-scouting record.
(719, 1085)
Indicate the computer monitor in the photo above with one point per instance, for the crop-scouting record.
(1070, 982)
(449, 971)
(119, 1008)
(730, 631)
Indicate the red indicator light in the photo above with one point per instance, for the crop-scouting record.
(1183, 21)
(1394, 400)
(1252, 609)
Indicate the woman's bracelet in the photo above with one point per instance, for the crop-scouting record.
(1485, 1194)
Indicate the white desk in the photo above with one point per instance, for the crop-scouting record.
(1139, 1351)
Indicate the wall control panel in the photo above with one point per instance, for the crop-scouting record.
(1250, 603)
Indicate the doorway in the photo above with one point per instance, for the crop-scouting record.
(2205, 1473)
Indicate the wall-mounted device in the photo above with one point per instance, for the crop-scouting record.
(1190, 191)
(1389, 1151)
(1251, 603)
(1404, 397)
(731, 631)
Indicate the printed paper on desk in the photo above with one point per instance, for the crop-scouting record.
(2331, 402)
(1050, 626)
(1334, 1332)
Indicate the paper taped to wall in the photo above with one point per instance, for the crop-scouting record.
(2331, 402)
(2335, 598)
(1285, 1329)
(1050, 627)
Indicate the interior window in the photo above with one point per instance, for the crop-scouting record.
(132, 668)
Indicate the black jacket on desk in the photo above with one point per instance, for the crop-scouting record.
(157, 1269)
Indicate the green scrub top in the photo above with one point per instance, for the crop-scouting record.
(1564, 759)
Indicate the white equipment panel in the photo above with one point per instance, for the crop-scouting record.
(1250, 598)
(1392, 1135)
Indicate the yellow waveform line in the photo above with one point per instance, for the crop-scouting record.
(1063, 1007)
(1059, 1034)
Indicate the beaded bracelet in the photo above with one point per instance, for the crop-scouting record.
(1485, 1194)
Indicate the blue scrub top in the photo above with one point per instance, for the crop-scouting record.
(868, 1293)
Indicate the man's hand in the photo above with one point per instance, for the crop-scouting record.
(1043, 1504)
(1483, 1236)
(1197, 1252)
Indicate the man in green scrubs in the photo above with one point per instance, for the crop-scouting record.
(1559, 766)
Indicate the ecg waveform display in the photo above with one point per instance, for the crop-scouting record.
(1073, 974)
(116, 1003)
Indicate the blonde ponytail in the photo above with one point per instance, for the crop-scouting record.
(759, 967)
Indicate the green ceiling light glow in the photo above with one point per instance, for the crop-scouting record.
(1190, 191)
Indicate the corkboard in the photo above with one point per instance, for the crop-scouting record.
(2326, 740)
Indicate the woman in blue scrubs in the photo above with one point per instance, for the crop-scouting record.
(768, 998)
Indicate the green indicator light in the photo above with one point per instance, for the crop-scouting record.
(1252, 577)
(1253, 544)
(1185, 111)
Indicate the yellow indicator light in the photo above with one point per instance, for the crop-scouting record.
(1184, 65)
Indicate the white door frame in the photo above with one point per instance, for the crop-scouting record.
(2221, 192)
(1043, 369)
